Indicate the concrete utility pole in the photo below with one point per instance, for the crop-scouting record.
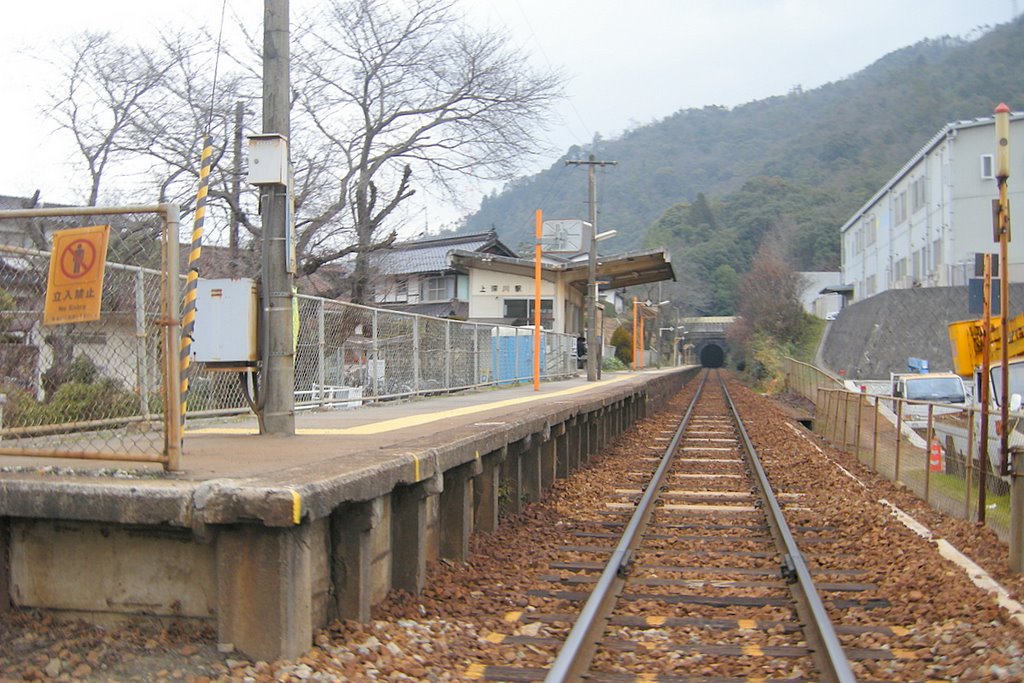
(593, 347)
(279, 371)
(236, 186)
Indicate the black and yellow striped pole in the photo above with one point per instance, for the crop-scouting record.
(188, 315)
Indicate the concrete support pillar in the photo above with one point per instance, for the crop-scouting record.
(548, 464)
(564, 466)
(352, 526)
(409, 534)
(574, 445)
(264, 590)
(531, 469)
(594, 433)
(485, 490)
(5, 564)
(512, 478)
(457, 510)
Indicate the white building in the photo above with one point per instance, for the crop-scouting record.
(925, 226)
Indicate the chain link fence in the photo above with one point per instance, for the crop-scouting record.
(347, 355)
(938, 460)
(93, 389)
(98, 390)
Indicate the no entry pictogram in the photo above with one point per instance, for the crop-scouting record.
(74, 288)
(77, 259)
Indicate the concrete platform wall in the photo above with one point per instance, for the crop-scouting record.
(269, 582)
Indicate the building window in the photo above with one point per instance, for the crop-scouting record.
(917, 195)
(402, 289)
(986, 166)
(936, 254)
(436, 289)
(870, 229)
(520, 311)
(899, 208)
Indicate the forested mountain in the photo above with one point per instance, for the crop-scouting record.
(711, 183)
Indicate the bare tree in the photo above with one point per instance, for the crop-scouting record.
(398, 89)
(104, 84)
(385, 95)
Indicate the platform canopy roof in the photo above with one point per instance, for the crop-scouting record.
(613, 272)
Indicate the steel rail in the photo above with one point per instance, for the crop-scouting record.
(574, 658)
(827, 651)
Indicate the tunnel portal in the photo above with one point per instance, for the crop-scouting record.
(712, 356)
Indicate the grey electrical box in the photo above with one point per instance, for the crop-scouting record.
(226, 315)
(268, 159)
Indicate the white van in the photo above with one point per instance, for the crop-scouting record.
(932, 387)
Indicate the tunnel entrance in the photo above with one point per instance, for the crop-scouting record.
(712, 356)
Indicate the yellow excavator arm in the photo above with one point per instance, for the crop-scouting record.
(966, 339)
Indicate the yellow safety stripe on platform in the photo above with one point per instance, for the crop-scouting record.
(412, 420)
(513, 616)
(475, 671)
(296, 507)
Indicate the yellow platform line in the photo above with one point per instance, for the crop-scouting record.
(412, 420)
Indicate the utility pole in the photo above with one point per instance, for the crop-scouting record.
(279, 367)
(593, 345)
(236, 186)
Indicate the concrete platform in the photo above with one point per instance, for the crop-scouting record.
(272, 537)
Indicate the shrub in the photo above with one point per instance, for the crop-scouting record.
(611, 364)
(622, 340)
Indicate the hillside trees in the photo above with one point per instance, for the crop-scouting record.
(772, 321)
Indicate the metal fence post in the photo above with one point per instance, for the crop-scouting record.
(899, 437)
(846, 418)
(928, 451)
(448, 354)
(476, 354)
(874, 440)
(372, 365)
(856, 439)
(416, 370)
(172, 341)
(321, 350)
(141, 355)
(969, 464)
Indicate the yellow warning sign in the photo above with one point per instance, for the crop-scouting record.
(74, 288)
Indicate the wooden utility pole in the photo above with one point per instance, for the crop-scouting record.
(279, 368)
(593, 343)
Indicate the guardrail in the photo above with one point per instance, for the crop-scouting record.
(939, 461)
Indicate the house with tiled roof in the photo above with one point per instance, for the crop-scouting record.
(419, 277)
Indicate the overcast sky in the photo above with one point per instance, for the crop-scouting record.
(627, 62)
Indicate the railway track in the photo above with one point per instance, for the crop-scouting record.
(693, 573)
